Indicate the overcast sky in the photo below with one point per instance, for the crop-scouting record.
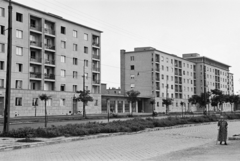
(208, 27)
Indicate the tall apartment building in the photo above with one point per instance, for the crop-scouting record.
(50, 55)
(159, 75)
(156, 74)
(211, 74)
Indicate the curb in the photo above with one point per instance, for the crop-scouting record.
(102, 135)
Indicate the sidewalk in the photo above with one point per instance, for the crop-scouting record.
(207, 152)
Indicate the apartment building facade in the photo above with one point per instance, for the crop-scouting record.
(50, 55)
(161, 75)
(211, 74)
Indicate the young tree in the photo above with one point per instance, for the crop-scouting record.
(167, 102)
(236, 100)
(201, 100)
(152, 102)
(44, 98)
(218, 98)
(84, 97)
(132, 97)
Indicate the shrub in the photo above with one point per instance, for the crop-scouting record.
(135, 124)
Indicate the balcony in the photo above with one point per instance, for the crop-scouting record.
(96, 81)
(95, 43)
(49, 31)
(157, 60)
(157, 78)
(50, 62)
(35, 75)
(96, 69)
(49, 76)
(176, 90)
(157, 88)
(36, 60)
(95, 56)
(48, 46)
(35, 27)
(36, 43)
(158, 69)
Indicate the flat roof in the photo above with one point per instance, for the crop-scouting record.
(53, 15)
(201, 57)
(159, 51)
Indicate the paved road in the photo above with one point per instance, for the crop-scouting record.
(142, 146)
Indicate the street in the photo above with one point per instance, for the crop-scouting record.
(156, 145)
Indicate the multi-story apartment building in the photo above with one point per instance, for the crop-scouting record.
(160, 75)
(211, 74)
(156, 74)
(50, 55)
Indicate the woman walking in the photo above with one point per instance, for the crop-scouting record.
(222, 132)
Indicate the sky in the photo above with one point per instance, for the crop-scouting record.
(210, 28)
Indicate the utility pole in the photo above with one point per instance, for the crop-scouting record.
(167, 97)
(84, 88)
(8, 71)
(204, 86)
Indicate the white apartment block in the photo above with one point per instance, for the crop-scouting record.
(50, 55)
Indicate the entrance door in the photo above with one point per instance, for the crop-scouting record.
(74, 106)
(140, 109)
(1, 105)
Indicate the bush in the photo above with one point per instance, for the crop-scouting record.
(132, 125)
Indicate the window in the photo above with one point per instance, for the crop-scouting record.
(162, 67)
(1, 65)
(167, 68)
(62, 87)
(162, 85)
(19, 67)
(18, 101)
(162, 94)
(132, 85)
(132, 67)
(63, 30)
(2, 30)
(63, 73)
(86, 88)
(35, 102)
(63, 59)
(85, 49)
(18, 84)
(75, 74)
(85, 37)
(49, 102)
(74, 88)
(75, 61)
(19, 34)
(1, 83)
(19, 50)
(74, 33)
(2, 48)
(63, 44)
(96, 103)
(19, 17)
(132, 58)
(86, 75)
(86, 63)
(62, 102)
(74, 47)
(132, 76)
(162, 76)
(171, 86)
(162, 58)
(2, 12)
